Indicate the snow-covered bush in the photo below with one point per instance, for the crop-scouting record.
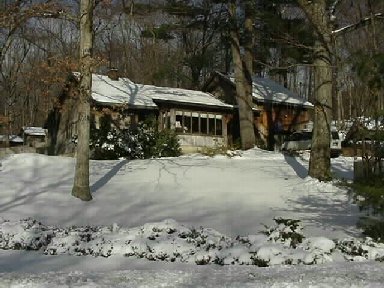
(136, 142)
(358, 250)
(286, 231)
(28, 234)
(172, 242)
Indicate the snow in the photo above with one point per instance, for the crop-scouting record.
(12, 138)
(265, 89)
(124, 91)
(152, 221)
(34, 131)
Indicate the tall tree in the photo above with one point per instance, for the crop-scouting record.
(319, 16)
(242, 78)
(81, 188)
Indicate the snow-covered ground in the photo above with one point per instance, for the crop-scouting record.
(194, 205)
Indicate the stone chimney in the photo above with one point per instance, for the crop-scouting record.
(113, 74)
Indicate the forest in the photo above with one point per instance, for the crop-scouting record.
(179, 43)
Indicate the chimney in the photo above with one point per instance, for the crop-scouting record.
(113, 74)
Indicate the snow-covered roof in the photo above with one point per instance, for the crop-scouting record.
(124, 91)
(265, 89)
(34, 131)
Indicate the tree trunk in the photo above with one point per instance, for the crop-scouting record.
(81, 188)
(248, 49)
(320, 162)
(243, 90)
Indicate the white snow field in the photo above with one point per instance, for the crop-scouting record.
(152, 222)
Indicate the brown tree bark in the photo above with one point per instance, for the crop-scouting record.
(243, 89)
(318, 15)
(81, 188)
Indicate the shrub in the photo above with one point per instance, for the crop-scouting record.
(369, 195)
(220, 149)
(286, 231)
(139, 141)
(166, 144)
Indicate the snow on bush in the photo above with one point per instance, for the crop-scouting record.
(282, 244)
(357, 250)
(139, 141)
(286, 231)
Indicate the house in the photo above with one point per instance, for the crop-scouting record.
(277, 110)
(199, 119)
(34, 136)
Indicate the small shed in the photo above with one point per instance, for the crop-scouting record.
(34, 136)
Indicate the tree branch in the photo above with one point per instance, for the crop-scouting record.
(363, 22)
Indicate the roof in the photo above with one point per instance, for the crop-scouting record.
(265, 89)
(34, 131)
(124, 91)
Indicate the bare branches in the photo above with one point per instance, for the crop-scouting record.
(362, 23)
(17, 14)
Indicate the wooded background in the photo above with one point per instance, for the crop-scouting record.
(179, 43)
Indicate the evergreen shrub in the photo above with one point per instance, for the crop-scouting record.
(141, 141)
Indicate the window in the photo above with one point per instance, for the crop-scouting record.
(179, 121)
(187, 122)
(198, 123)
(195, 122)
(335, 135)
(218, 123)
(211, 124)
(203, 123)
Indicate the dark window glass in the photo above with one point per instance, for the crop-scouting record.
(187, 122)
(211, 125)
(203, 123)
(195, 122)
(335, 135)
(307, 135)
(296, 137)
(219, 129)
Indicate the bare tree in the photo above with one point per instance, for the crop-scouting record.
(318, 14)
(243, 89)
(81, 188)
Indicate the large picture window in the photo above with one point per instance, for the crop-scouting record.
(201, 123)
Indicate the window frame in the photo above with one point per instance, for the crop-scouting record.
(202, 116)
